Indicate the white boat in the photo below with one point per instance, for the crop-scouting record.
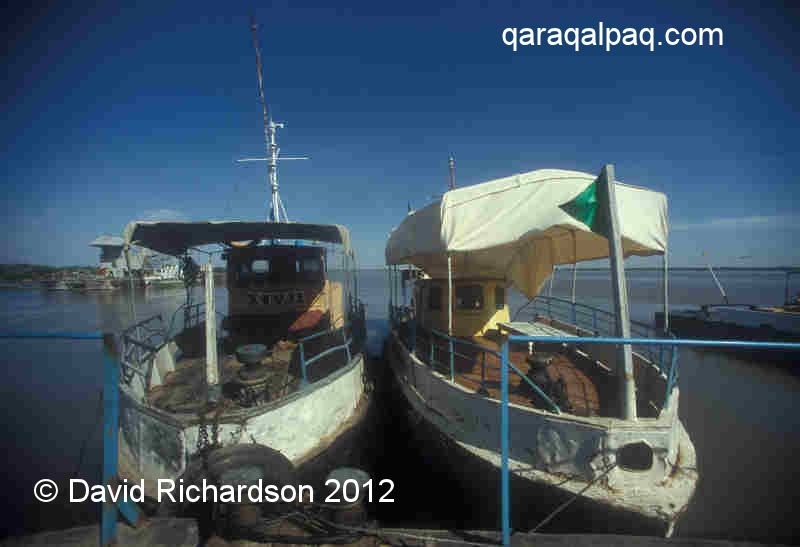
(588, 423)
(277, 386)
(167, 275)
(743, 322)
(287, 372)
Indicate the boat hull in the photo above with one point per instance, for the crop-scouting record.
(444, 426)
(315, 428)
(740, 326)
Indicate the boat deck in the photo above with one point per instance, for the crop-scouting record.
(576, 383)
(279, 373)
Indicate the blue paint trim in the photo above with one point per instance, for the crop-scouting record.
(108, 528)
(304, 381)
(505, 499)
(452, 363)
(66, 335)
(656, 341)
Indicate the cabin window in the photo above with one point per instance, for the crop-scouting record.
(435, 298)
(310, 265)
(469, 297)
(499, 298)
(260, 266)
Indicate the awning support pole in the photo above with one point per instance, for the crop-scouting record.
(574, 265)
(666, 291)
(450, 314)
(449, 295)
(212, 371)
(606, 188)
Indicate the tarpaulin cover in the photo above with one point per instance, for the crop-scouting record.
(514, 229)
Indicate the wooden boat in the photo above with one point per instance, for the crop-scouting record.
(588, 423)
(283, 388)
(742, 322)
(287, 371)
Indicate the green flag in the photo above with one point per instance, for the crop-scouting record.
(591, 208)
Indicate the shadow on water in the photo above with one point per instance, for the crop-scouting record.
(741, 416)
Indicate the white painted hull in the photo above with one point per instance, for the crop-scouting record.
(155, 444)
(545, 448)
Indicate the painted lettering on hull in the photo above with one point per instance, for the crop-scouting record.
(276, 298)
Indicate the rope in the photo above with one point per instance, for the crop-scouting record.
(572, 499)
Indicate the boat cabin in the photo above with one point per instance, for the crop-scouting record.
(285, 286)
(478, 305)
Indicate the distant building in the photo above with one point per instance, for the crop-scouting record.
(112, 260)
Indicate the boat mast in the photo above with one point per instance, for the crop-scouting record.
(272, 149)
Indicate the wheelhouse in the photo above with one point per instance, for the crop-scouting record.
(478, 305)
(285, 285)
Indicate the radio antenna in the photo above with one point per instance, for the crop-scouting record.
(272, 149)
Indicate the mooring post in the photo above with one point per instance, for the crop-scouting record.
(212, 371)
(605, 183)
(131, 513)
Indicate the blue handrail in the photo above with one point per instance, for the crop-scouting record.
(304, 363)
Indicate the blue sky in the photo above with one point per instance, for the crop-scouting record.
(116, 114)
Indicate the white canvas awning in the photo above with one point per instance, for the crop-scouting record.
(513, 229)
(174, 238)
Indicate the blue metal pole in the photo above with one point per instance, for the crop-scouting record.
(346, 345)
(658, 341)
(412, 334)
(108, 525)
(505, 502)
(452, 366)
(304, 381)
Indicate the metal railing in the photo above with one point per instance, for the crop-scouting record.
(139, 343)
(357, 331)
(403, 316)
(305, 363)
(598, 322)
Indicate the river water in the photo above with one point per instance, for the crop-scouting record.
(741, 415)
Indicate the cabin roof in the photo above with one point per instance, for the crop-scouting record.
(175, 238)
